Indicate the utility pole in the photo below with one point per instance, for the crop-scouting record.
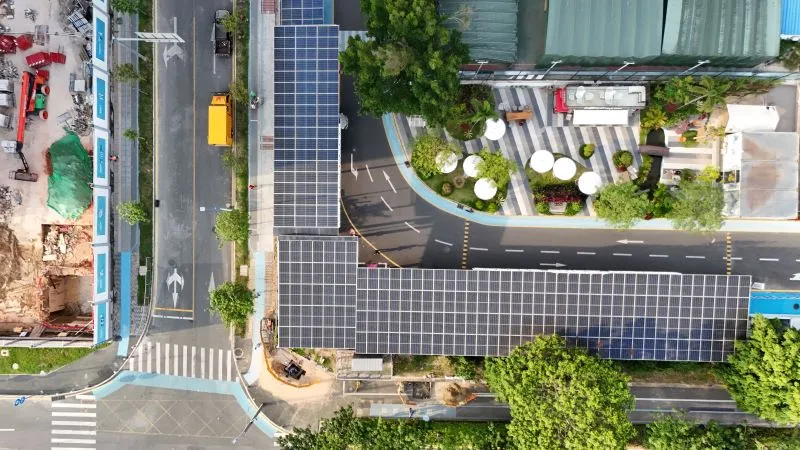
(249, 424)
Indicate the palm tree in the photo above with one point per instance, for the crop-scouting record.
(709, 93)
(463, 16)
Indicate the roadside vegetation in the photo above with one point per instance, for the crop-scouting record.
(36, 360)
(670, 372)
(233, 301)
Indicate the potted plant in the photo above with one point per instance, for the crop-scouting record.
(622, 159)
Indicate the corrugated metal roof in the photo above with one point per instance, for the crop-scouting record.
(603, 32)
(726, 32)
(488, 27)
(790, 19)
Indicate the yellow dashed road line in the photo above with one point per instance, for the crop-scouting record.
(465, 249)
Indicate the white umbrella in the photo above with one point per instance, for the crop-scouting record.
(485, 188)
(589, 183)
(471, 165)
(564, 169)
(446, 161)
(542, 161)
(495, 129)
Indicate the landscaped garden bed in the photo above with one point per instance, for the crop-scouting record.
(549, 190)
(474, 106)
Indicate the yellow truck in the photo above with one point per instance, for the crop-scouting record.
(220, 120)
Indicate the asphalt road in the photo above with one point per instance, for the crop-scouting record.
(191, 182)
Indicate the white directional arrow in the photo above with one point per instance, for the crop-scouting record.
(211, 285)
(553, 264)
(795, 277)
(353, 169)
(627, 241)
(175, 279)
(386, 175)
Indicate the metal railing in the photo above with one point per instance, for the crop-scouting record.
(612, 75)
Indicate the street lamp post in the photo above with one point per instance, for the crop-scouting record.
(480, 62)
(624, 65)
(249, 424)
(552, 65)
(699, 63)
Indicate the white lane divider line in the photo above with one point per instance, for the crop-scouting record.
(622, 254)
(769, 259)
(74, 414)
(514, 250)
(659, 256)
(695, 257)
(386, 203)
(412, 227)
(85, 397)
(479, 249)
(369, 173)
(554, 252)
(586, 253)
(72, 423)
(74, 405)
(443, 242)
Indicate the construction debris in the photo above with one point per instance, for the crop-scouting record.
(8, 70)
(31, 14)
(8, 199)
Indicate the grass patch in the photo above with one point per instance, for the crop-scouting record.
(465, 194)
(35, 360)
(240, 147)
(670, 372)
(412, 365)
(309, 353)
(145, 127)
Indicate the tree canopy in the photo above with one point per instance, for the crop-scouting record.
(411, 62)
(125, 72)
(495, 166)
(561, 397)
(763, 375)
(423, 156)
(698, 205)
(233, 226)
(133, 212)
(621, 204)
(233, 302)
(129, 6)
(675, 433)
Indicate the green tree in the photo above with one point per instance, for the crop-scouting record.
(423, 156)
(233, 301)
(233, 226)
(653, 117)
(237, 24)
(561, 397)
(495, 166)
(239, 91)
(342, 431)
(675, 433)
(763, 375)
(235, 161)
(125, 72)
(131, 134)
(790, 55)
(621, 204)
(708, 93)
(128, 6)
(698, 206)
(709, 174)
(482, 110)
(133, 212)
(411, 63)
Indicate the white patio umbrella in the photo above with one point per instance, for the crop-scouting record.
(470, 165)
(485, 188)
(564, 169)
(446, 161)
(542, 161)
(495, 129)
(589, 183)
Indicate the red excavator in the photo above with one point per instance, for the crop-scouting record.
(32, 84)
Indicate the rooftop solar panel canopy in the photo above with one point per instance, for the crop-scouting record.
(616, 315)
(302, 12)
(317, 291)
(307, 135)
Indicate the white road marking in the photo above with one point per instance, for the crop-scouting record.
(166, 358)
(586, 253)
(412, 227)
(149, 356)
(158, 359)
(369, 173)
(386, 203)
(74, 405)
(72, 423)
(695, 257)
(769, 259)
(185, 358)
(386, 175)
(622, 254)
(229, 360)
(194, 359)
(659, 256)
(85, 397)
(797, 260)
(555, 252)
(139, 358)
(202, 362)
(443, 242)
(6, 429)
(79, 432)
(71, 441)
(353, 169)
(733, 258)
(175, 358)
(211, 364)
(514, 250)
(220, 362)
(73, 414)
(479, 249)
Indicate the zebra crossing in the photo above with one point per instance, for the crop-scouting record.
(183, 361)
(74, 423)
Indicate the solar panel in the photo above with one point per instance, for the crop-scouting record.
(302, 12)
(317, 291)
(307, 151)
(616, 315)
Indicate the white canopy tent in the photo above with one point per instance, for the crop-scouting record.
(564, 169)
(470, 165)
(589, 183)
(485, 188)
(495, 129)
(542, 161)
(752, 118)
(447, 161)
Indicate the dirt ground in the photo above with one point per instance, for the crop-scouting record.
(22, 237)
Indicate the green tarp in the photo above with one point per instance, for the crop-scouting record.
(68, 190)
(488, 27)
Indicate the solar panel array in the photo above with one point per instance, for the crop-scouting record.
(643, 316)
(302, 12)
(307, 178)
(317, 291)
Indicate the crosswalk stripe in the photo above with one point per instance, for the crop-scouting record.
(74, 414)
(158, 359)
(230, 366)
(76, 432)
(85, 397)
(72, 423)
(72, 441)
(139, 357)
(194, 360)
(185, 358)
(149, 355)
(211, 364)
(74, 405)
(175, 359)
(219, 365)
(166, 358)
(71, 448)
(202, 362)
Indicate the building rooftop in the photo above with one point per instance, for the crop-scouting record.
(488, 27)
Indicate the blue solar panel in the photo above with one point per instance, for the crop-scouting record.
(302, 12)
(306, 140)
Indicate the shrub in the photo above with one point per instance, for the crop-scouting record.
(543, 207)
(492, 207)
(480, 204)
(133, 212)
(459, 181)
(573, 208)
(423, 156)
(446, 189)
(687, 175)
(622, 159)
(565, 193)
(586, 151)
(495, 166)
(653, 117)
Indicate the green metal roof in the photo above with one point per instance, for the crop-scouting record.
(488, 27)
(726, 32)
(603, 32)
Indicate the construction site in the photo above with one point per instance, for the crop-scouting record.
(46, 255)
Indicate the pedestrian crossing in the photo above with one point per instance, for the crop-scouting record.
(74, 423)
(183, 361)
